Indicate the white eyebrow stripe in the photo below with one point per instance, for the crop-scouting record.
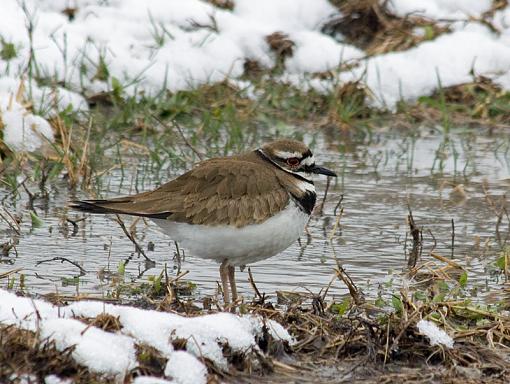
(287, 155)
(308, 161)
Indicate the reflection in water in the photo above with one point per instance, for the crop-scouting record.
(460, 178)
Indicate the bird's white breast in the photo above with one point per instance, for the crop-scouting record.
(239, 245)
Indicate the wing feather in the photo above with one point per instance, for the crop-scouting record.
(216, 192)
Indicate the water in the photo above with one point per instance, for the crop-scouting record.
(379, 178)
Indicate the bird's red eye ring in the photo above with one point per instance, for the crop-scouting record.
(293, 161)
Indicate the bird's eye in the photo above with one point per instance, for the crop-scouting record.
(293, 161)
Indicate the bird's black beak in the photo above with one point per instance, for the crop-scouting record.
(322, 171)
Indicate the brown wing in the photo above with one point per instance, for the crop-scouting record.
(217, 191)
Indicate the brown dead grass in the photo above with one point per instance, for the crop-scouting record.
(363, 342)
(369, 25)
(22, 353)
(480, 102)
(222, 4)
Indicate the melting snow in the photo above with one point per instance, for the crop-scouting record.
(156, 45)
(440, 9)
(22, 130)
(150, 380)
(114, 354)
(436, 335)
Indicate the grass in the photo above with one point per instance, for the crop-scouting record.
(361, 337)
(219, 119)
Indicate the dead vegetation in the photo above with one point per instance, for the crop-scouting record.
(25, 358)
(222, 4)
(371, 26)
(480, 101)
(281, 45)
(362, 342)
(354, 339)
(376, 342)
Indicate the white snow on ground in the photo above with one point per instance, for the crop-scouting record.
(447, 60)
(436, 335)
(185, 368)
(440, 9)
(157, 41)
(101, 351)
(155, 45)
(22, 130)
(54, 379)
(150, 380)
(113, 354)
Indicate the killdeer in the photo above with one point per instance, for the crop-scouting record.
(235, 210)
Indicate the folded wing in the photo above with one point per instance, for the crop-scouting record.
(216, 192)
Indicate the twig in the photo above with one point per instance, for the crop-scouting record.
(177, 255)
(252, 283)
(387, 346)
(337, 223)
(8, 273)
(133, 240)
(433, 239)
(406, 325)
(31, 197)
(445, 260)
(353, 290)
(74, 223)
(415, 234)
(62, 259)
(328, 183)
(453, 238)
(11, 225)
(326, 290)
(338, 204)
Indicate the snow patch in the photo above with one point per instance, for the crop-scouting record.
(22, 130)
(114, 354)
(448, 60)
(436, 335)
(150, 380)
(102, 352)
(185, 369)
(440, 9)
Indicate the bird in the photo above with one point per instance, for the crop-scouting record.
(235, 210)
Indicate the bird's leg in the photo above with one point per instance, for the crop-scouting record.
(233, 287)
(224, 273)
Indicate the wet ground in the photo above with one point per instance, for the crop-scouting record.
(461, 177)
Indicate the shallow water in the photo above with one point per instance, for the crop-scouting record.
(379, 177)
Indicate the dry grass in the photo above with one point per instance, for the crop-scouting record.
(22, 353)
(479, 102)
(369, 25)
(356, 339)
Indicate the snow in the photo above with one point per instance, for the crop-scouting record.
(436, 335)
(54, 379)
(113, 353)
(22, 130)
(159, 45)
(318, 53)
(100, 351)
(155, 40)
(447, 60)
(185, 369)
(150, 380)
(437, 9)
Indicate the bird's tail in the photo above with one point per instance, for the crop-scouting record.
(124, 206)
